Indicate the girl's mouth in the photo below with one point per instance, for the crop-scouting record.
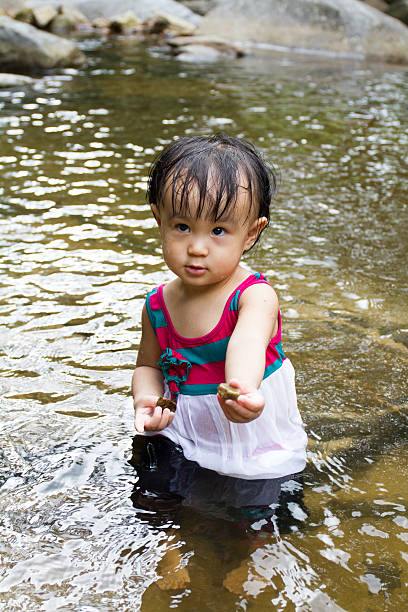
(196, 270)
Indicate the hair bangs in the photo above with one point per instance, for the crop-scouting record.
(208, 186)
(204, 175)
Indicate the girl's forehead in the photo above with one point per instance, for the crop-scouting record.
(179, 198)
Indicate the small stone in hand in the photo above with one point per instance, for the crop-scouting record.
(225, 391)
(163, 402)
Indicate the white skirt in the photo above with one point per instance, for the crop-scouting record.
(271, 446)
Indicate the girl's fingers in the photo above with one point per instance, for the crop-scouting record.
(254, 404)
(154, 420)
(237, 418)
(158, 420)
(139, 422)
(164, 418)
(238, 412)
(145, 419)
(244, 403)
(247, 407)
(244, 409)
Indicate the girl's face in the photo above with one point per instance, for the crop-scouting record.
(200, 251)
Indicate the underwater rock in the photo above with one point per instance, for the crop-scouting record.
(326, 448)
(401, 335)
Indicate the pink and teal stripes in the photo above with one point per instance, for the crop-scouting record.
(205, 356)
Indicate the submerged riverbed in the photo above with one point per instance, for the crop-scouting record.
(79, 251)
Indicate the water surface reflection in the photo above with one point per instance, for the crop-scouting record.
(79, 251)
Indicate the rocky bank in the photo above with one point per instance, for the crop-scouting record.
(344, 27)
(31, 30)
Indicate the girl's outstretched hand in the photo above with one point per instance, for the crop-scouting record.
(247, 407)
(149, 416)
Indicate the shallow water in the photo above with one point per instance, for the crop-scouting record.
(79, 252)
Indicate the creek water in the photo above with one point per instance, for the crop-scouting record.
(79, 252)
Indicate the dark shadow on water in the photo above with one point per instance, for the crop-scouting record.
(168, 481)
(212, 522)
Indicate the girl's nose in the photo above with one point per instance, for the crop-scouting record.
(197, 246)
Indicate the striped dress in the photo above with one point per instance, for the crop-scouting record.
(271, 446)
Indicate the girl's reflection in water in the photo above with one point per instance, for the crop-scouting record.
(168, 484)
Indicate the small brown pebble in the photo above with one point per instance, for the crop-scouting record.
(163, 402)
(227, 392)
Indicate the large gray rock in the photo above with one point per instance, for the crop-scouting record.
(23, 47)
(143, 9)
(346, 27)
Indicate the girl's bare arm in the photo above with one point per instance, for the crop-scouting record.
(147, 383)
(245, 361)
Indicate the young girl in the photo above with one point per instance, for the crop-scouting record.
(216, 321)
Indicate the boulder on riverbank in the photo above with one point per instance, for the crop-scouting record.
(344, 27)
(203, 48)
(62, 21)
(164, 22)
(25, 48)
(142, 17)
(106, 9)
(67, 21)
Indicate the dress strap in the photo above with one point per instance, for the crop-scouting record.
(253, 279)
(154, 310)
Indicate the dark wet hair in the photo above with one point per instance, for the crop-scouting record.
(190, 161)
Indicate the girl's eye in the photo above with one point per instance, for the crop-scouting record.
(218, 231)
(182, 227)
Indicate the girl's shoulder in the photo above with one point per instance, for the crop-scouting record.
(154, 306)
(255, 287)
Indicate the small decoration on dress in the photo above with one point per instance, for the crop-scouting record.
(175, 370)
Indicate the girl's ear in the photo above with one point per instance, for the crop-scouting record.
(156, 213)
(254, 230)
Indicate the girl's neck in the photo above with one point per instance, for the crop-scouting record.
(224, 287)
(195, 311)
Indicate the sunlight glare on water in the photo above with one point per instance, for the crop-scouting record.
(79, 251)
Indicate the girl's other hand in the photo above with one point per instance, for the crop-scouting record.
(149, 416)
(247, 407)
